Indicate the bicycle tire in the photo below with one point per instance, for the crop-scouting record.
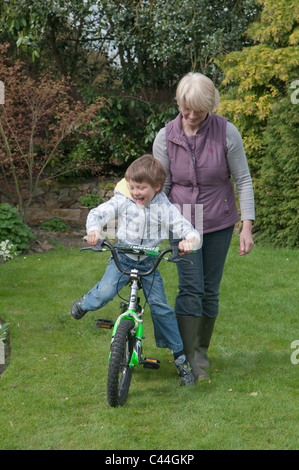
(119, 373)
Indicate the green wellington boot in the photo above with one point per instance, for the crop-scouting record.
(202, 342)
(188, 326)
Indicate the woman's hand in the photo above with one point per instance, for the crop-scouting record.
(93, 237)
(246, 240)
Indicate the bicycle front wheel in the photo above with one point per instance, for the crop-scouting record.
(119, 372)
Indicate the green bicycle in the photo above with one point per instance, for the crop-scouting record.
(127, 334)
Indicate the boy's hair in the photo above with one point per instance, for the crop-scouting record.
(147, 169)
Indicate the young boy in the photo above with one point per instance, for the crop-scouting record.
(145, 217)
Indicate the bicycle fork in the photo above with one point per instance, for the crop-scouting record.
(131, 314)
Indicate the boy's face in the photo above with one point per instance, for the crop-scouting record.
(142, 193)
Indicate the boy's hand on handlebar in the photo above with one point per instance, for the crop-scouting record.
(93, 237)
(187, 246)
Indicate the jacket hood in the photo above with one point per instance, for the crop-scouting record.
(123, 187)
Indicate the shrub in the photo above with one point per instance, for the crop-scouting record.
(40, 122)
(277, 189)
(4, 332)
(90, 200)
(12, 228)
(120, 139)
(54, 225)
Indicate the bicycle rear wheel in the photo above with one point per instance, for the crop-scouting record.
(119, 372)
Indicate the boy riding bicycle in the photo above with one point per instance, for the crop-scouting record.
(145, 217)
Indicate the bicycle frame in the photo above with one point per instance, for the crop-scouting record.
(135, 277)
(125, 349)
(130, 314)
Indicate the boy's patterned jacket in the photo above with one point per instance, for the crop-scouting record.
(141, 226)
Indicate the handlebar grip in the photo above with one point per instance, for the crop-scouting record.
(98, 247)
(176, 258)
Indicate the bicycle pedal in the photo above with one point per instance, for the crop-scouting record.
(107, 324)
(149, 363)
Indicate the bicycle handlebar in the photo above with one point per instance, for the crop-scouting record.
(155, 252)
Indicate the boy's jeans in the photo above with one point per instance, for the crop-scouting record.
(165, 324)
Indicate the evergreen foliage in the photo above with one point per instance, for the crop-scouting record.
(257, 98)
(257, 76)
(278, 187)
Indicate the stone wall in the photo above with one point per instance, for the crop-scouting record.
(66, 196)
(62, 200)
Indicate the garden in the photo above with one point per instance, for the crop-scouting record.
(53, 391)
(84, 89)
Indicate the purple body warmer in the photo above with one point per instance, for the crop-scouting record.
(200, 174)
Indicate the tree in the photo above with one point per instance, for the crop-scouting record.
(260, 100)
(64, 37)
(156, 42)
(278, 186)
(257, 76)
(132, 52)
(152, 42)
(37, 117)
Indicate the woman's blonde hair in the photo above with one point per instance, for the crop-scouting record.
(197, 92)
(147, 169)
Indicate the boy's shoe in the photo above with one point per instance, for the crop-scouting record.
(184, 371)
(77, 311)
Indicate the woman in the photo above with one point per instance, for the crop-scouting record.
(201, 151)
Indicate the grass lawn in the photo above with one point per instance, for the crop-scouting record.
(53, 393)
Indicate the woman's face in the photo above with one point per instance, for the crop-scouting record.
(194, 119)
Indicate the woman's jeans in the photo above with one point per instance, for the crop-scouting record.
(165, 323)
(199, 283)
